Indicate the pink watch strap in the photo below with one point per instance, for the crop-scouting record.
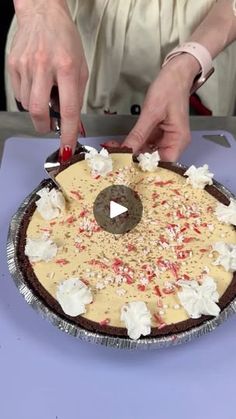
(201, 54)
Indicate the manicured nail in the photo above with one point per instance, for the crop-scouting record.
(65, 154)
(103, 145)
(82, 130)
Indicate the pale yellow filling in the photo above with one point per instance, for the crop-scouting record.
(145, 239)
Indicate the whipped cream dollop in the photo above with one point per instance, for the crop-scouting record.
(137, 319)
(51, 203)
(99, 162)
(227, 255)
(73, 295)
(148, 162)
(40, 249)
(198, 299)
(199, 177)
(227, 213)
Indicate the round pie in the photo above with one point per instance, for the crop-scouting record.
(172, 272)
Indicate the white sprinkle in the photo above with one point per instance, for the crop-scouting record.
(176, 306)
(100, 285)
(165, 306)
(143, 281)
(120, 292)
(161, 312)
(210, 227)
(206, 269)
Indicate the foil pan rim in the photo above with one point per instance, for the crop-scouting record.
(79, 332)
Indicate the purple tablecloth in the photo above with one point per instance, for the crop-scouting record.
(45, 374)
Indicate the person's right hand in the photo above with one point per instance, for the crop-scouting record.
(47, 51)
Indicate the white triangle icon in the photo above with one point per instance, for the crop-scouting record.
(116, 209)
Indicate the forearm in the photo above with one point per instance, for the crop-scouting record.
(27, 7)
(218, 29)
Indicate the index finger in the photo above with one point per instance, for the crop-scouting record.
(142, 130)
(69, 109)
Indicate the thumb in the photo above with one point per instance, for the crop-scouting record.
(141, 131)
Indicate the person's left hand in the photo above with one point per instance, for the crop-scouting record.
(163, 124)
(164, 121)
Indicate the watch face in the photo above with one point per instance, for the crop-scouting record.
(199, 80)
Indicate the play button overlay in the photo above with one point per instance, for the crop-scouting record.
(118, 209)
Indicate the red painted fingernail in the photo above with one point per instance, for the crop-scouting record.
(82, 130)
(65, 154)
(103, 145)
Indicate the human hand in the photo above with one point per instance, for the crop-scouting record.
(164, 123)
(46, 51)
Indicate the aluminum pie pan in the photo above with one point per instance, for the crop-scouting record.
(68, 327)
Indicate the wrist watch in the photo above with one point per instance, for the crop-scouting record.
(201, 54)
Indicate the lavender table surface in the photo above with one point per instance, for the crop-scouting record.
(46, 374)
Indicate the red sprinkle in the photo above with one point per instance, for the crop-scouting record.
(174, 268)
(196, 230)
(76, 194)
(128, 278)
(83, 213)
(159, 302)
(96, 262)
(71, 219)
(188, 239)
(159, 321)
(131, 247)
(62, 262)
(104, 322)
(176, 192)
(164, 183)
(155, 195)
(80, 246)
(169, 290)
(141, 287)
(183, 254)
(157, 291)
(194, 215)
(179, 214)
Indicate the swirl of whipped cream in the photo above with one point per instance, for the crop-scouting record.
(40, 249)
(199, 299)
(226, 213)
(137, 319)
(100, 162)
(73, 295)
(148, 162)
(51, 203)
(199, 177)
(227, 256)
